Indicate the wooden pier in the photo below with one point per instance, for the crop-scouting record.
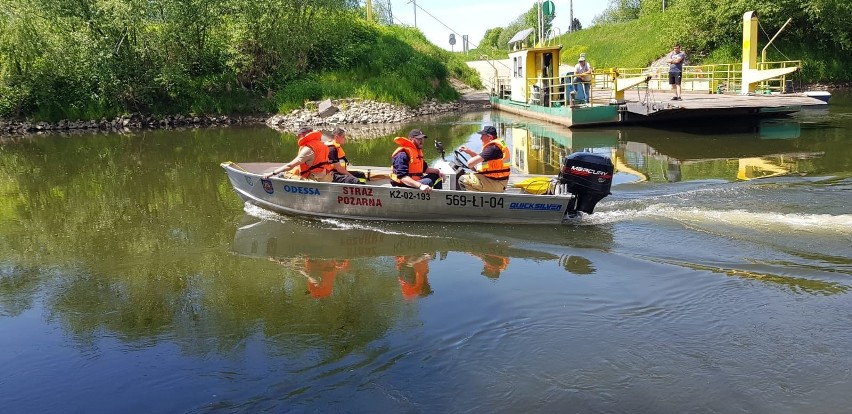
(658, 106)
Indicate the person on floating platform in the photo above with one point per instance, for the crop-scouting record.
(675, 62)
(492, 173)
(582, 78)
(409, 167)
(339, 162)
(312, 159)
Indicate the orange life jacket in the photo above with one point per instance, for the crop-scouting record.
(496, 169)
(313, 140)
(416, 165)
(341, 154)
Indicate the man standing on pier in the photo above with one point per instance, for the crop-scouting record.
(675, 62)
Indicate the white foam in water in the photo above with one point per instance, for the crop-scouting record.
(263, 214)
(814, 223)
(354, 225)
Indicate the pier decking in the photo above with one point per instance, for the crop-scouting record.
(657, 106)
(652, 107)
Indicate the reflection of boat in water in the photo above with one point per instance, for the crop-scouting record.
(346, 240)
(320, 250)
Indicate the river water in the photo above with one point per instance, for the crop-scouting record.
(716, 278)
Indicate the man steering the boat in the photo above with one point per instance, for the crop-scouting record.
(312, 159)
(492, 173)
(409, 166)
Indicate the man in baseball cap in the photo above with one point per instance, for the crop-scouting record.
(492, 173)
(409, 166)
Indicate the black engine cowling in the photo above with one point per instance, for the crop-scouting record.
(589, 177)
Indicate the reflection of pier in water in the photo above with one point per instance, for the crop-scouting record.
(740, 152)
(540, 148)
(733, 152)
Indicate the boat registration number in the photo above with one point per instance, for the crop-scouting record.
(466, 200)
(410, 195)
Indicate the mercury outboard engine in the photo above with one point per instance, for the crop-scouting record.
(589, 177)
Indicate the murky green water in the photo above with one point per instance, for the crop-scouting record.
(716, 278)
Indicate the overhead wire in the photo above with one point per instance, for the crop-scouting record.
(770, 37)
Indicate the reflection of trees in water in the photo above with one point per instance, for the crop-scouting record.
(18, 289)
(122, 234)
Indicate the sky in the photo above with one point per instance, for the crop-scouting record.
(474, 17)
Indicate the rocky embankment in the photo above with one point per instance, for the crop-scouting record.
(369, 117)
(359, 114)
(126, 123)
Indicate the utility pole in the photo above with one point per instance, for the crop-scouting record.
(540, 31)
(571, 15)
(369, 10)
(415, 11)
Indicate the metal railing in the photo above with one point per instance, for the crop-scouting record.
(717, 78)
(551, 92)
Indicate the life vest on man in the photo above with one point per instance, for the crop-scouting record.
(496, 169)
(415, 159)
(341, 154)
(313, 140)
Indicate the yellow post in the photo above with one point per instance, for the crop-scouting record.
(369, 10)
(751, 74)
(749, 48)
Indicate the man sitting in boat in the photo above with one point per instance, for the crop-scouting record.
(492, 175)
(312, 159)
(409, 166)
(339, 162)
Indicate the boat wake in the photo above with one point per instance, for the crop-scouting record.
(826, 224)
(339, 224)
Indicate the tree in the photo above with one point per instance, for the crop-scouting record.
(619, 11)
(576, 25)
(491, 37)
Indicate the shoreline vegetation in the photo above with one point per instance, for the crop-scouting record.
(359, 117)
(114, 65)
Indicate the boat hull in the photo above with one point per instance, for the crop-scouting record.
(383, 202)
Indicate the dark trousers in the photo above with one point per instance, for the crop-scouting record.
(345, 179)
(432, 180)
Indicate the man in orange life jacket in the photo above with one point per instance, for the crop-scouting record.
(339, 162)
(492, 175)
(312, 159)
(409, 166)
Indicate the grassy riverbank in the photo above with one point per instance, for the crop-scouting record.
(112, 58)
(710, 32)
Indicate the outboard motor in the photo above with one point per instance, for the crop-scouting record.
(589, 177)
